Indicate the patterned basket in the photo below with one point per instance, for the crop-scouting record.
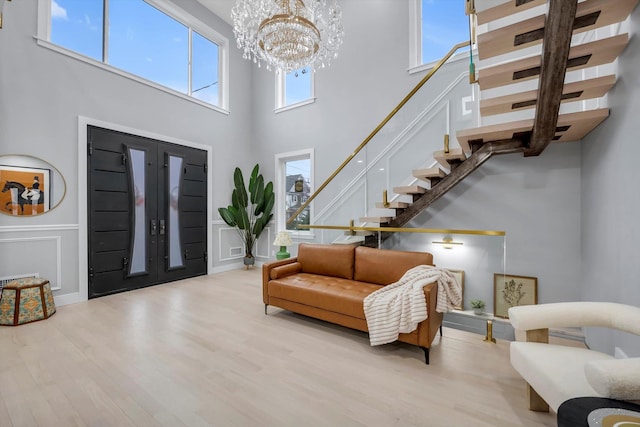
(26, 300)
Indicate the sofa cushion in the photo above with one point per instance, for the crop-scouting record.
(556, 372)
(383, 266)
(327, 260)
(615, 379)
(328, 293)
(285, 270)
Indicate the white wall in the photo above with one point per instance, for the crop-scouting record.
(43, 92)
(611, 201)
(535, 200)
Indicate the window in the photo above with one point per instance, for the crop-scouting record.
(295, 88)
(151, 39)
(293, 187)
(437, 25)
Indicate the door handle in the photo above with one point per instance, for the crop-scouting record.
(152, 230)
(162, 227)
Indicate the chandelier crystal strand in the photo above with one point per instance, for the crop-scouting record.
(288, 34)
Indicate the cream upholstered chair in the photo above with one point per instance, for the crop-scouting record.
(555, 373)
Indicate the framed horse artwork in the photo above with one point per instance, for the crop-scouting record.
(25, 190)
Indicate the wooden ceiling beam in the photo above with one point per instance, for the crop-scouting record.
(555, 53)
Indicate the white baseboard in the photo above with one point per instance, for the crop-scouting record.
(67, 299)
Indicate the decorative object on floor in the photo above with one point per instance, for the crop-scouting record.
(478, 306)
(283, 239)
(288, 34)
(489, 337)
(512, 291)
(447, 242)
(459, 275)
(250, 211)
(26, 300)
(598, 412)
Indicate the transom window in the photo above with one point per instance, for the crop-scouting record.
(437, 25)
(151, 39)
(295, 88)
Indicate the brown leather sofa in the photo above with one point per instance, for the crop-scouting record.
(330, 282)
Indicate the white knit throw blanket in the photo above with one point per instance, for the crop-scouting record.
(399, 307)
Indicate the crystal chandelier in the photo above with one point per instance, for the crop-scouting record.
(288, 34)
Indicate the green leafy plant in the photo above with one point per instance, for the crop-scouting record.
(249, 211)
(477, 304)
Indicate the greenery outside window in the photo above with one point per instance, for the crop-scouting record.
(152, 41)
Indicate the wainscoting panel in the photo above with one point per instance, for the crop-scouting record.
(230, 248)
(41, 255)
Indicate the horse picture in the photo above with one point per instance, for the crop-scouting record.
(25, 191)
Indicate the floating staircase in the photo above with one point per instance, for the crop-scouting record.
(560, 52)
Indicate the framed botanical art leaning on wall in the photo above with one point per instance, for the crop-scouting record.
(459, 275)
(511, 291)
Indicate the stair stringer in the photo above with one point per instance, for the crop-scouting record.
(473, 162)
(401, 138)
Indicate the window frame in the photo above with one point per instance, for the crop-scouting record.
(43, 38)
(415, 41)
(281, 92)
(281, 191)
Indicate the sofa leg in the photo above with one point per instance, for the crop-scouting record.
(265, 309)
(536, 403)
(426, 354)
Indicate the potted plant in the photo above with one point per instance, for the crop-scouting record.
(478, 306)
(250, 211)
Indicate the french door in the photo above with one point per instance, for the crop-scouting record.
(147, 211)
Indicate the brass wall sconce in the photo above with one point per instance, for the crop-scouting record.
(447, 242)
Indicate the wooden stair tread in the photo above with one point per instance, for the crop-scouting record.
(590, 14)
(454, 154)
(393, 205)
(571, 127)
(425, 174)
(505, 9)
(376, 219)
(410, 189)
(577, 91)
(581, 56)
(358, 233)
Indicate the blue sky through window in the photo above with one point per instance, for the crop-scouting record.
(444, 24)
(142, 40)
(298, 86)
(77, 25)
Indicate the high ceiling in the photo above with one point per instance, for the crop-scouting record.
(222, 8)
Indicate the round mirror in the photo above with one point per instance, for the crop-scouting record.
(30, 186)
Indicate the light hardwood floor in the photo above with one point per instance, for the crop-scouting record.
(201, 352)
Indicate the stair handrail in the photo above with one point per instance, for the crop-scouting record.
(393, 112)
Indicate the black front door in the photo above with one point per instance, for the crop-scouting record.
(147, 211)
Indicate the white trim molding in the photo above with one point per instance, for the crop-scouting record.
(38, 228)
(58, 242)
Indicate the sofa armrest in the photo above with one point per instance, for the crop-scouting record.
(266, 274)
(616, 378)
(428, 329)
(576, 314)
